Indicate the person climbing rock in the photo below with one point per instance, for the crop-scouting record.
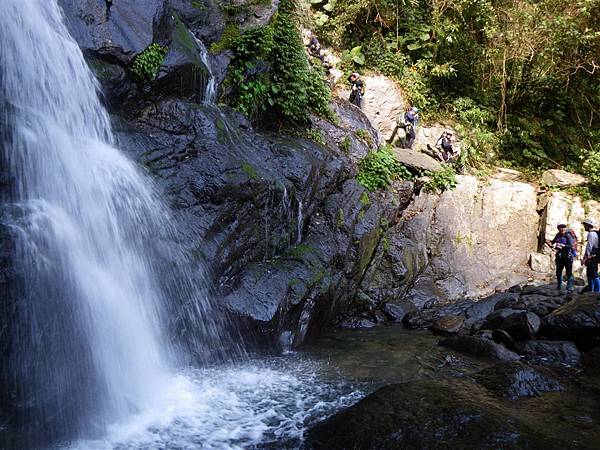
(411, 121)
(564, 246)
(445, 145)
(314, 47)
(357, 89)
(590, 257)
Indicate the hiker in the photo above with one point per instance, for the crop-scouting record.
(564, 245)
(314, 48)
(590, 257)
(444, 145)
(411, 120)
(357, 89)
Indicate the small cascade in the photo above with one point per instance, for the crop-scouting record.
(210, 90)
(300, 223)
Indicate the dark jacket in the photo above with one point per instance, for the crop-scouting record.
(566, 245)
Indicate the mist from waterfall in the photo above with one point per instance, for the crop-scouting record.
(88, 340)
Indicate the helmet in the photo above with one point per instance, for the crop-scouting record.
(589, 222)
(355, 74)
(561, 225)
(415, 109)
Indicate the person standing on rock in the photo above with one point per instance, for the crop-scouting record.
(564, 246)
(357, 89)
(590, 257)
(411, 120)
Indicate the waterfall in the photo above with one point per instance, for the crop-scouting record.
(85, 340)
(210, 91)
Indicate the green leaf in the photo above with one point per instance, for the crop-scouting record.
(414, 46)
(424, 36)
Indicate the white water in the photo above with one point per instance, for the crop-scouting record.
(89, 352)
(210, 91)
(266, 405)
(89, 222)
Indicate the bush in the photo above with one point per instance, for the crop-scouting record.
(591, 166)
(146, 65)
(270, 76)
(378, 169)
(441, 180)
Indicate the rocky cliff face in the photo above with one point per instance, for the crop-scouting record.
(292, 242)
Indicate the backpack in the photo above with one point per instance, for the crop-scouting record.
(571, 232)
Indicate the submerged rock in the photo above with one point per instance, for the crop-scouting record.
(551, 353)
(479, 346)
(515, 380)
(577, 320)
(425, 415)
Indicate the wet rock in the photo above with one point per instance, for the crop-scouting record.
(482, 308)
(419, 319)
(521, 325)
(495, 319)
(502, 337)
(591, 362)
(448, 324)
(577, 321)
(424, 415)
(478, 346)
(547, 290)
(515, 380)
(357, 322)
(538, 304)
(551, 353)
(396, 311)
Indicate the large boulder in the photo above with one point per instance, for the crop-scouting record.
(466, 242)
(416, 160)
(382, 103)
(577, 320)
(562, 178)
(551, 353)
(521, 325)
(426, 415)
(479, 346)
(515, 380)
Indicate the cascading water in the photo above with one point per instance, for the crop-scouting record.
(99, 286)
(87, 344)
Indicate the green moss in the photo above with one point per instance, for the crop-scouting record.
(315, 134)
(249, 170)
(364, 199)
(316, 278)
(228, 38)
(344, 145)
(365, 136)
(340, 218)
(301, 250)
(361, 214)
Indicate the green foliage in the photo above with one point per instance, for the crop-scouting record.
(378, 169)
(363, 134)
(591, 166)
(146, 65)
(249, 170)
(441, 180)
(315, 134)
(229, 37)
(339, 223)
(344, 144)
(269, 75)
(520, 78)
